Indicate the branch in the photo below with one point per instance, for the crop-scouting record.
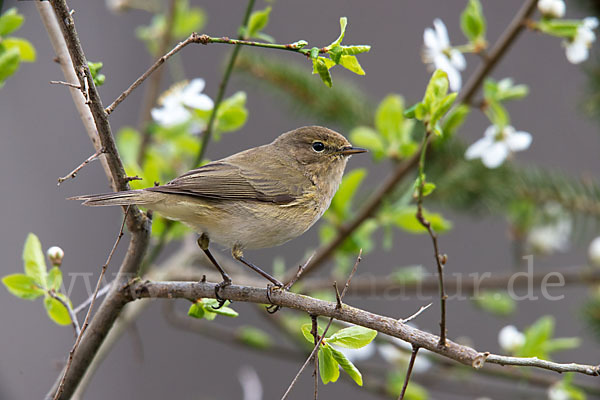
(390, 326)
(72, 313)
(73, 173)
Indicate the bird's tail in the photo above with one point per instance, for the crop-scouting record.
(140, 197)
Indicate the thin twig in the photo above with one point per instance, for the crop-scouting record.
(206, 136)
(73, 173)
(411, 363)
(415, 315)
(314, 351)
(72, 85)
(72, 313)
(301, 269)
(88, 301)
(89, 312)
(439, 259)
(315, 333)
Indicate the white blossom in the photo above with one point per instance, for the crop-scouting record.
(578, 49)
(557, 392)
(176, 104)
(439, 52)
(552, 8)
(359, 354)
(551, 238)
(594, 251)
(510, 338)
(497, 144)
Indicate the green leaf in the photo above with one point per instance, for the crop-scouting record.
(306, 328)
(408, 275)
(389, 116)
(428, 188)
(338, 41)
(95, 68)
(321, 68)
(26, 49)
(363, 136)
(55, 279)
(254, 337)
(347, 366)
(497, 114)
(9, 63)
(472, 21)
(22, 286)
(351, 63)
(496, 302)
(210, 304)
(232, 113)
(57, 311)
(536, 337)
(35, 263)
(10, 21)
(354, 50)
(454, 120)
(562, 28)
(414, 391)
(196, 310)
(561, 344)
(353, 337)
(187, 19)
(328, 366)
(437, 88)
(258, 21)
(342, 201)
(405, 218)
(441, 108)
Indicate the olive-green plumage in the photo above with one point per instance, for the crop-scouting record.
(260, 197)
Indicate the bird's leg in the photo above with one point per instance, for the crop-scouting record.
(238, 254)
(203, 243)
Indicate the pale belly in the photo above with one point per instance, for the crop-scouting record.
(247, 225)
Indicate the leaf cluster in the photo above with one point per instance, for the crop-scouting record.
(13, 50)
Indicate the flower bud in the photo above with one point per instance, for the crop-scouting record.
(552, 8)
(55, 255)
(510, 338)
(594, 252)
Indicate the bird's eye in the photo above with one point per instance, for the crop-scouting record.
(318, 147)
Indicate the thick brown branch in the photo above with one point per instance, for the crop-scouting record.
(390, 326)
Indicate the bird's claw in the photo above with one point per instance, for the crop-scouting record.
(273, 308)
(218, 287)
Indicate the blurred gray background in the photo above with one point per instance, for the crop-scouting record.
(42, 138)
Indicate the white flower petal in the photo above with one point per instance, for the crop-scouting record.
(441, 33)
(199, 102)
(442, 62)
(519, 141)
(510, 339)
(495, 155)
(577, 52)
(169, 116)
(491, 132)
(457, 59)
(430, 39)
(479, 148)
(195, 86)
(590, 22)
(585, 36)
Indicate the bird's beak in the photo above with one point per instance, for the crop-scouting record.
(349, 150)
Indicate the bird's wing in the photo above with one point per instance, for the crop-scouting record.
(226, 181)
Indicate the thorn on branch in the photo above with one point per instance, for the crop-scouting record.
(338, 299)
(415, 315)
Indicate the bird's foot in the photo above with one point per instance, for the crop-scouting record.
(226, 282)
(273, 308)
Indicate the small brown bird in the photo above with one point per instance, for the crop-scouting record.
(260, 197)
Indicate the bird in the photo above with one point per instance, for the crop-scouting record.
(258, 198)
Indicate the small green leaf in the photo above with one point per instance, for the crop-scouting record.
(211, 304)
(428, 188)
(328, 366)
(26, 49)
(306, 328)
(342, 200)
(363, 136)
(55, 279)
(437, 88)
(335, 53)
(561, 344)
(9, 63)
(562, 28)
(56, 311)
(22, 286)
(35, 263)
(472, 21)
(347, 366)
(10, 21)
(351, 63)
(232, 113)
(411, 112)
(323, 71)
(254, 337)
(258, 21)
(414, 391)
(196, 310)
(442, 107)
(454, 120)
(536, 337)
(354, 50)
(389, 116)
(338, 41)
(408, 275)
(353, 337)
(497, 114)
(405, 218)
(496, 302)
(95, 68)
